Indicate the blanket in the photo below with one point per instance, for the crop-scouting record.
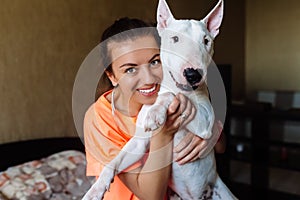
(60, 176)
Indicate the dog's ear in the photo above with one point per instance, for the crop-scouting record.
(214, 19)
(164, 15)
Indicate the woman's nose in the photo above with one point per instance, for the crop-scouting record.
(147, 75)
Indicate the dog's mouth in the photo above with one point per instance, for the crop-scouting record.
(184, 87)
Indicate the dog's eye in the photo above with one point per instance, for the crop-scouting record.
(175, 39)
(205, 41)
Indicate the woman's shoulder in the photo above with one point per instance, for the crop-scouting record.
(100, 106)
(103, 100)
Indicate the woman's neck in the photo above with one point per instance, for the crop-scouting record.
(124, 105)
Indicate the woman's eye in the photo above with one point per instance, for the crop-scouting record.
(175, 39)
(155, 62)
(130, 70)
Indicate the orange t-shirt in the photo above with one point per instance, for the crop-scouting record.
(104, 135)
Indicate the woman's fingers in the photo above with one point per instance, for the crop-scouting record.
(185, 110)
(184, 143)
(189, 148)
(174, 105)
(180, 112)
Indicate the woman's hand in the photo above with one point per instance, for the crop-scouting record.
(189, 149)
(192, 147)
(180, 112)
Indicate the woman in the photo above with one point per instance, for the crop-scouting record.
(134, 69)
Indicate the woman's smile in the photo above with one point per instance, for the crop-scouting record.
(149, 91)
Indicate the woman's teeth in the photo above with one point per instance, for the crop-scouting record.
(148, 90)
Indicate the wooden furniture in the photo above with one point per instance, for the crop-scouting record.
(263, 151)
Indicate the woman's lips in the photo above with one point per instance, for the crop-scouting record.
(148, 91)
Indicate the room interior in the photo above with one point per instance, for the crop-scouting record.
(257, 51)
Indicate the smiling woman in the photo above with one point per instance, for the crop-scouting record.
(131, 56)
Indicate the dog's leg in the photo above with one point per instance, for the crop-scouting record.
(211, 142)
(132, 152)
(157, 113)
(134, 149)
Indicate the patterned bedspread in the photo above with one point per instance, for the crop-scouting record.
(60, 176)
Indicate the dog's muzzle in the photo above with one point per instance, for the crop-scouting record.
(192, 76)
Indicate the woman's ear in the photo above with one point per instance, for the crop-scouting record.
(112, 78)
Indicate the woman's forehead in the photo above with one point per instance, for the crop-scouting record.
(140, 44)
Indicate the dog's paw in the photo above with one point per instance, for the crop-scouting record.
(106, 177)
(96, 192)
(102, 185)
(155, 118)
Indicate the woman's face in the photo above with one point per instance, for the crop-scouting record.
(137, 70)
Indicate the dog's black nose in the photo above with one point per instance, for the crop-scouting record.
(192, 76)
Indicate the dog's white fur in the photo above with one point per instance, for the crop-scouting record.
(184, 44)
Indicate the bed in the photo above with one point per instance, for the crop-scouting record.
(52, 168)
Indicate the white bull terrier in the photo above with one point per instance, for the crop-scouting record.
(186, 52)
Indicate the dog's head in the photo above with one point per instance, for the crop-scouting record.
(187, 46)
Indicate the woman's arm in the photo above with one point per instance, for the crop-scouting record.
(150, 181)
(220, 146)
